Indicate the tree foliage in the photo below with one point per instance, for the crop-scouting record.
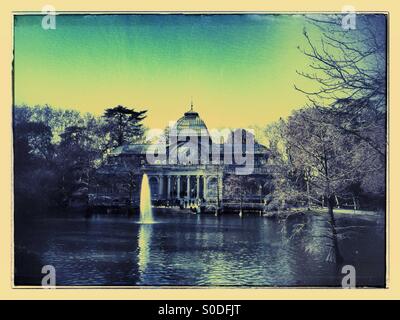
(124, 125)
(57, 150)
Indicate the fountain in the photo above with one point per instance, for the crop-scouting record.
(146, 213)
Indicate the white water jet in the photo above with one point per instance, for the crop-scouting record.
(146, 213)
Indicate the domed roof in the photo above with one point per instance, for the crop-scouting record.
(191, 121)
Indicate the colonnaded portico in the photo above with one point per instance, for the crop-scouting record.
(183, 186)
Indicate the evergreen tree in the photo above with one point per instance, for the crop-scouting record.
(124, 125)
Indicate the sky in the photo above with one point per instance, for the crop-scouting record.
(239, 70)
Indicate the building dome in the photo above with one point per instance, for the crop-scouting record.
(191, 121)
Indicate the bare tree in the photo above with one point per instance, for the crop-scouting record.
(349, 70)
(327, 155)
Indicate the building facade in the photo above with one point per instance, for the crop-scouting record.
(188, 168)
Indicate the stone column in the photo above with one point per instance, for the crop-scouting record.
(178, 187)
(205, 187)
(169, 187)
(198, 187)
(188, 186)
(219, 189)
(160, 186)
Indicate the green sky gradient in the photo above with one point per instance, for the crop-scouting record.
(239, 69)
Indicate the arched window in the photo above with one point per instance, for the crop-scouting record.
(153, 181)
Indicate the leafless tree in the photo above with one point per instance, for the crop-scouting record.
(349, 70)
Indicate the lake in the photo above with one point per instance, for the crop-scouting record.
(183, 249)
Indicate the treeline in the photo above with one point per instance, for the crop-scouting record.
(333, 151)
(56, 151)
(317, 163)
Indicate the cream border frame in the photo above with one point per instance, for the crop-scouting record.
(223, 6)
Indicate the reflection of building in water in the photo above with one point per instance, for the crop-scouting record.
(196, 181)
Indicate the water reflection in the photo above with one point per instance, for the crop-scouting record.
(195, 250)
(144, 245)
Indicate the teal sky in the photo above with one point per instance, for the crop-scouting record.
(239, 69)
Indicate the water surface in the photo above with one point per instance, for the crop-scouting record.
(197, 250)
